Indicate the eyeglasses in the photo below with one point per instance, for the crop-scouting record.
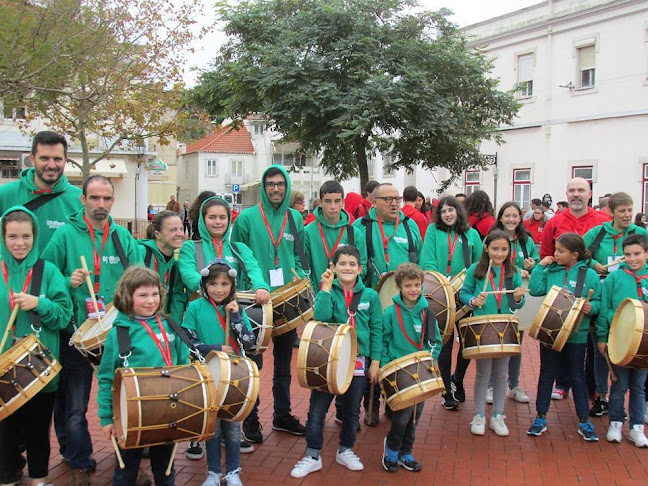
(272, 185)
(390, 199)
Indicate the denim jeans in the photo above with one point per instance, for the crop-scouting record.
(282, 352)
(319, 405)
(635, 381)
(159, 455)
(445, 362)
(402, 434)
(573, 354)
(71, 406)
(601, 373)
(231, 433)
(562, 380)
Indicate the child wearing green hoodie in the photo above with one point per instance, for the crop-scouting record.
(408, 327)
(139, 298)
(50, 309)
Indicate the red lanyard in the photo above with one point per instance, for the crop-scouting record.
(638, 279)
(223, 324)
(451, 249)
(97, 256)
(498, 297)
(616, 242)
(218, 246)
(348, 297)
(5, 274)
(400, 321)
(382, 235)
(567, 269)
(43, 191)
(329, 254)
(272, 238)
(514, 249)
(155, 267)
(166, 350)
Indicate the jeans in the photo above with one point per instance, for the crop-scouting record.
(601, 373)
(231, 433)
(319, 404)
(445, 362)
(562, 380)
(515, 364)
(402, 434)
(495, 369)
(282, 352)
(573, 354)
(159, 455)
(635, 380)
(254, 414)
(71, 406)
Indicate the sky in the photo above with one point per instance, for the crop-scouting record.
(466, 12)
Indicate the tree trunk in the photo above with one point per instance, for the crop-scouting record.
(85, 150)
(361, 159)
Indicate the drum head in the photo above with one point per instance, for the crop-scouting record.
(387, 289)
(344, 357)
(626, 332)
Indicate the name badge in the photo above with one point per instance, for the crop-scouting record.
(276, 277)
(359, 369)
(90, 308)
(613, 267)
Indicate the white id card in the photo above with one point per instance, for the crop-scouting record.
(276, 277)
(359, 366)
(613, 267)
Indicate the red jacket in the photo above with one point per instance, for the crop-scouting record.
(482, 223)
(310, 218)
(535, 228)
(566, 222)
(418, 217)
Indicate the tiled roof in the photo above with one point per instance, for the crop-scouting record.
(224, 141)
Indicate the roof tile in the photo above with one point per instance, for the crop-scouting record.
(226, 140)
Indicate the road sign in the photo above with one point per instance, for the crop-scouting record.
(236, 188)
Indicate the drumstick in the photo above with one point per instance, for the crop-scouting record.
(10, 324)
(371, 403)
(615, 262)
(490, 265)
(502, 291)
(613, 375)
(295, 273)
(579, 319)
(173, 453)
(117, 452)
(84, 265)
(227, 328)
(462, 312)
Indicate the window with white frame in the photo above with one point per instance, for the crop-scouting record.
(258, 128)
(645, 189)
(525, 75)
(237, 168)
(471, 181)
(522, 187)
(211, 168)
(587, 66)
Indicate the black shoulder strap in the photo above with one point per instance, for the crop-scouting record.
(172, 281)
(298, 243)
(148, 257)
(181, 333)
(597, 241)
(580, 282)
(123, 341)
(466, 250)
(350, 235)
(200, 255)
(508, 285)
(525, 252)
(411, 250)
(368, 224)
(36, 284)
(120, 250)
(353, 307)
(429, 325)
(240, 261)
(40, 200)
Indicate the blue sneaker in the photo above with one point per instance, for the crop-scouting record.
(586, 429)
(538, 427)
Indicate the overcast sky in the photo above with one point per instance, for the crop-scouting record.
(466, 12)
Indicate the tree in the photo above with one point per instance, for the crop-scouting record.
(347, 77)
(106, 72)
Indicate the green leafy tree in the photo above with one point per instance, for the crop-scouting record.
(347, 77)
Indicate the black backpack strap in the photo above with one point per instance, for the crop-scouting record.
(200, 255)
(429, 325)
(597, 241)
(40, 200)
(525, 252)
(466, 250)
(181, 333)
(148, 257)
(123, 341)
(172, 280)
(368, 224)
(355, 301)
(411, 249)
(298, 243)
(508, 285)
(350, 235)
(237, 254)
(120, 250)
(580, 282)
(36, 283)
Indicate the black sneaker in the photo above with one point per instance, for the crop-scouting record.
(194, 451)
(410, 464)
(599, 408)
(246, 447)
(389, 466)
(289, 423)
(458, 390)
(252, 431)
(449, 401)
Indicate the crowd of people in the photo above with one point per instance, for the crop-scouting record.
(173, 290)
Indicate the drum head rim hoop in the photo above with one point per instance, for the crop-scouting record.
(281, 296)
(536, 325)
(568, 324)
(449, 292)
(487, 351)
(619, 328)
(283, 293)
(386, 289)
(96, 341)
(264, 335)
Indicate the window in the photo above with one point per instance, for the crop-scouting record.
(587, 173)
(211, 168)
(645, 188)
(522, 187)
(10, 166)
(284, 159)
(258, 128)
(237, 168)
(525, 76)
(586, 66)
(471, 181)
(11, 112)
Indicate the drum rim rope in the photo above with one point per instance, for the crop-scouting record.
(474, 352)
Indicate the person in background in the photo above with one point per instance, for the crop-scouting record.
(480, 212)
(194, 212)
(640, 220)
(311, 215)
(298, 203)
(173, 205)
(535, 204)
(410, 195)
(546, 207)
(184, 216)
(461, 197)
(536, 225)
(367, 200)
(561, 206)
(150, 213)
(604, 205)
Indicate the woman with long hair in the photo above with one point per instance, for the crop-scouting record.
(480, 212)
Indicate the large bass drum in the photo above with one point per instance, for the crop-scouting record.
(628, 341)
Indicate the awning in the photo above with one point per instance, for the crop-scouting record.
(105, 167)
(250, 185)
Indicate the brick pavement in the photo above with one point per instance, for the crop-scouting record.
(444, 445)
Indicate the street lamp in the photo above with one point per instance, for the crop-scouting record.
(140, 150)
(491, 159)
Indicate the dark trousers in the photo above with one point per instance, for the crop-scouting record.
(159, 455)
(445, 362)
(30, 423)
(402, 434)
(562, 380)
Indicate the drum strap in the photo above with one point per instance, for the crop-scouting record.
(120, 250)
(411, 250)
(580, 282)
(508, 285)
(466, 250)
(124, 341)
(148, 258)
(36, 283)
(40, 200)
(350, 235)
(298, 244)
(525, 252)
(430, 325)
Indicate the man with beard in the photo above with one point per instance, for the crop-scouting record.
(43, 189)
(108, 249)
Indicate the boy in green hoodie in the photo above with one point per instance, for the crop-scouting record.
(52, 310)
(629, 281)
(344, 299)
(44, 189)
(406, 330)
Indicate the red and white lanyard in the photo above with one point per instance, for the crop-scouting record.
(452, 246)
(164, 350)
(385, 241)
(97, 256)
(348, 297)
(223, 324)
(498, 297)
(337, 243)
(616, 242)
(5, 275)
(218, 246)
(400, 321)
(272, 238)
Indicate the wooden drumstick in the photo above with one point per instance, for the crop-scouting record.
(295, 273)
(84, 265)
(173, 453)
(462, 312)
(117, 452)
(490, 265)
(227, 328)
(615, 262)
(613, 375)
(371, 403)
(502, 291)
(10, 324)
(579, 319)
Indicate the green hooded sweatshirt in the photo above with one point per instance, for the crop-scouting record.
(73, 240)
(251, 230)
(144, 354)
(472, 287)
(314, 247)
(619, 285)
(612, 237)
(436, 250)
(54, 306)
(187, 260)
(543, 278)
(178, 296)
(397, 344)
(531, 248)
(397, 247)
(331, 307)
(51, 215)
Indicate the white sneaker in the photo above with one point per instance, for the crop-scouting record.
(498, 426)
(233, 478)
(646, 414)
(637, 436)
(518, 395)
(614, 432)
(213, 479)
(349, 459)
(478, 425)
(306, 466)
(489, 396)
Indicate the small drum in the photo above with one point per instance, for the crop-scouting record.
(490, 336)
(386, 289)
(25, 369)
(89, 339)
(628, 342)
(556, 318)
(292, 305)
(441, 301)
(237, 385)
(326, 358)
(154, 406)
(260, 318)
(410, 380)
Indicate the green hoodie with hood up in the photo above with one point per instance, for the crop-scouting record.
(51, 215)
(250, 229)
(54, 306)
(73, 240)
(187, 261)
